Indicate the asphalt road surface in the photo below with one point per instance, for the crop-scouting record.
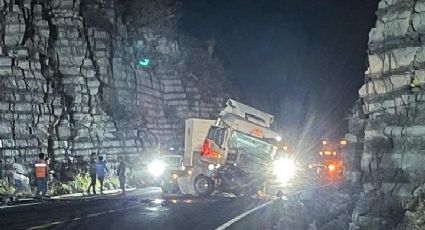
(139, 210)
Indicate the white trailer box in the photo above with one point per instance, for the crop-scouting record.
(195, 132)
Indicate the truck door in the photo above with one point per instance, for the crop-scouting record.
(213, 150)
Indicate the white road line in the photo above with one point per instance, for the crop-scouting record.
(19, 205)
(236, 219)
(46, 225)
(59, 222)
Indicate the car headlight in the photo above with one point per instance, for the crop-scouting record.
(156, 168)
(284, 169)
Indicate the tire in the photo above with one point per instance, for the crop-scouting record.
(166, 189)
(203, 185)
(169, 190)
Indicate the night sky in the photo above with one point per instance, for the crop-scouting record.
(301, 60)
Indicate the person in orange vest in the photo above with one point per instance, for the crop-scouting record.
(41, 171)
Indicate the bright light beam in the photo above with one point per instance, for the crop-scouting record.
(156, 168)
(284, 169)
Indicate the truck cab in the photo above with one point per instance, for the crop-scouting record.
(234, 153)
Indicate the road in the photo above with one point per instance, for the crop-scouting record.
(137, 210)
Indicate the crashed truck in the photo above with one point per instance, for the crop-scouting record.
(237, 153)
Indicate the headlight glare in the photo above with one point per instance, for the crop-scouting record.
(284, 169)
(156, 168)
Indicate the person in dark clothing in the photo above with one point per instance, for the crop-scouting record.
(121, 174)
(101, 170)
(92, 172)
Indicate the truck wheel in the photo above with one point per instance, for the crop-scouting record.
(203, 185)
(167, 189)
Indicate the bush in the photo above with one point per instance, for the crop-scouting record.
(111, 183)
(205, 71)
(160, 15)
(58, 188)
(5, 189)
(79, 184)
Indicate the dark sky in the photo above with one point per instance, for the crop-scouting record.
(301, 60)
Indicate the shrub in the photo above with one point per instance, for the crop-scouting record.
(160, 15)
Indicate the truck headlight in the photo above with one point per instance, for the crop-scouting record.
(211, 167)
(278, 138)
(156, 168)
(284, 169)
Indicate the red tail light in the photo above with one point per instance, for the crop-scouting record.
(207, 151)
(206, 148)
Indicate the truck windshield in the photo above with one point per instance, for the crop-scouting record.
(173, 161)
(251, 145)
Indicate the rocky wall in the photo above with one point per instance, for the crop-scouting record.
(393, 134)
(70, 83)
(355, 141)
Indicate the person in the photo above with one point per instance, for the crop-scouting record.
(49, 173)
(2, 170)
(21, 180)
(121, 174)
(41, 171)
(92, 172)
(47, 159)
(101, 170)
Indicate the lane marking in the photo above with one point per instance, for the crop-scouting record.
(95, 214)
(241, 216)
(45, 225)
(91, 215)
(236, 219)
(19, 205)
(146, 191)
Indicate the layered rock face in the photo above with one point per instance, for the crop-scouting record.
(71, 84)
(355, 139)
(387, 134)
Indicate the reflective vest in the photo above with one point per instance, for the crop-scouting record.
(40, 169)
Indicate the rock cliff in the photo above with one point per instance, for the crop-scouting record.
(387, 130)
(77, 76)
